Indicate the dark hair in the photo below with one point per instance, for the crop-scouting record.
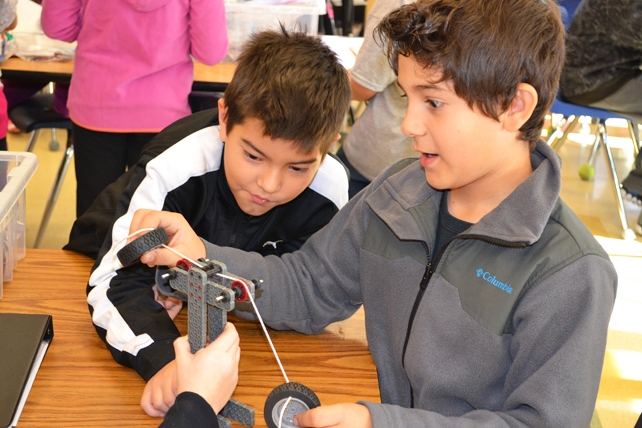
(294, 84)
(486, 48)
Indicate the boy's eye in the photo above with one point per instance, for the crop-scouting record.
(434, 104)
(298, 170)
(250, 156)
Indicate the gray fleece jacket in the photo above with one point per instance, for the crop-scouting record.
(505, 328)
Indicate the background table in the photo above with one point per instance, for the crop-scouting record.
(80, 385)
(206, 77)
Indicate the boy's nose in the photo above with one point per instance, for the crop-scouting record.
(412, 126)
(270, 181)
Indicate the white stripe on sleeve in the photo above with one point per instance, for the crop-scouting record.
(195, 155)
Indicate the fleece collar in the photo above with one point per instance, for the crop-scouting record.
(521, 217)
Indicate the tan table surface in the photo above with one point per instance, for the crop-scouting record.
(220, 73)
(80, 385)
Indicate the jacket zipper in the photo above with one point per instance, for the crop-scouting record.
(235, 228)
(430, 269)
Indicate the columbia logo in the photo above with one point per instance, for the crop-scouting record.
(493, 280)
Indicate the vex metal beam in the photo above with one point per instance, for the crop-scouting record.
(211, 293)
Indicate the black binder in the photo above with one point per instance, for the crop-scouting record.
(21, 338)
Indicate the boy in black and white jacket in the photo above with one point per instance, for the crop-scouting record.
(252, 175)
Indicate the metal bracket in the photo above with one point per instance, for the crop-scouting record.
(211, 293)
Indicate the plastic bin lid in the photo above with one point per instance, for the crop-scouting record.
(16, 169)
(309, 7)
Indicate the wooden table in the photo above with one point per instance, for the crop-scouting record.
(206, 77)
(80, 385)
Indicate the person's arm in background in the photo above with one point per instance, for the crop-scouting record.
(13, 25)
(62, 19)
(205, 380)
(208, 31)
(372, 72)
(360, 93)
(8, 18)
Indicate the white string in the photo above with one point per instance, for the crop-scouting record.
(227, 277)
(278, 360)
(266, 335)
(149, 229)
(249, 292)
(113, 256)
(262, 325)
(185, 257)
(283, 411)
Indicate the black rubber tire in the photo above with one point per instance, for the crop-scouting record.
(130, 253)
(303, 396)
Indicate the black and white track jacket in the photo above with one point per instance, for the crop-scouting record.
(181, 170)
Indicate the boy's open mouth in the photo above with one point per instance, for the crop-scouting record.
(427, 159)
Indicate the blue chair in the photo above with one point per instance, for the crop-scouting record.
(568, 7)
(572, 114)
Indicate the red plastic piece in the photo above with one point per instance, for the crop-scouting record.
(244, 290)
(184, 264)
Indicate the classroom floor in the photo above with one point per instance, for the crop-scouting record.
(620, 397)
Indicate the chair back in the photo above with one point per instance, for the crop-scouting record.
(568, 7)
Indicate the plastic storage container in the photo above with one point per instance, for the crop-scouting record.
(245, 18)
(16, 169)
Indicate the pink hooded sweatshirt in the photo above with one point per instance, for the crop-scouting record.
(133, 70)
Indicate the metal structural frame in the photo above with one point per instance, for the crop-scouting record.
(211, 293)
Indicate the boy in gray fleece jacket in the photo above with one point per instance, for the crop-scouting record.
(486, 299)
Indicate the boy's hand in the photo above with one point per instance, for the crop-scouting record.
(182, 237)
(172, 306)
(213, 371)
(344, 415)
(160, 392)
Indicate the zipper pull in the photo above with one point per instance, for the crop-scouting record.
(426, 277)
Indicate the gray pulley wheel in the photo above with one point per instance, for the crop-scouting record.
(301, 399)
(131, 252)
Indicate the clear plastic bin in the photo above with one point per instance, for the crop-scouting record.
(245, 18)
(16, 169)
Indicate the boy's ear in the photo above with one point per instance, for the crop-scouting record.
(222, 118)
(521, 108)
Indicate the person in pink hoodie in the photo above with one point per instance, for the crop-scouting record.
(132, 75)
(8, 21)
